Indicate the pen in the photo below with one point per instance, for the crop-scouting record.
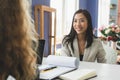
(50, 68)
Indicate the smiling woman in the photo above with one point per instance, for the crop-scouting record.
(81, 42)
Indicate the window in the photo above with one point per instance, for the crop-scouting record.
(65, 10)
(103, 13)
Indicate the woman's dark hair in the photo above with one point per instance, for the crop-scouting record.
(89, 33)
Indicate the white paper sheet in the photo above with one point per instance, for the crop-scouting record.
(63, 61)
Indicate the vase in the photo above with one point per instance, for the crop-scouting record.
(113, 44)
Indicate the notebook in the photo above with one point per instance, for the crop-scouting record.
(40, 50)
(62, 64)
(79, 74)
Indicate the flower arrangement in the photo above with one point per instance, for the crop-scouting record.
(110, 33)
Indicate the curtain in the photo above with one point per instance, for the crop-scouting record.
(65, 10)
(103, 13)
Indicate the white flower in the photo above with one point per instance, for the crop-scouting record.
(107, 31)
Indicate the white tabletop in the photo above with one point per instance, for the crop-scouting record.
(104, 71)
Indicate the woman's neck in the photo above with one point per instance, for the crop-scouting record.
(81, 37)
(81, 44)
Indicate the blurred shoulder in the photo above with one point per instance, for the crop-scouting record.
(97, 41)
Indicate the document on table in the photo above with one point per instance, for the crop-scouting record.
(60, 65)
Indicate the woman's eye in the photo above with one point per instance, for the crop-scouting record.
(75, 20)
(82, 20)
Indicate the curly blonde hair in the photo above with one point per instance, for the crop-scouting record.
(16, 35)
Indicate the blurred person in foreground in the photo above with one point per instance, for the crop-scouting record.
(17, 33)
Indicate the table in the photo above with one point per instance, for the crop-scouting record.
(104, 71)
